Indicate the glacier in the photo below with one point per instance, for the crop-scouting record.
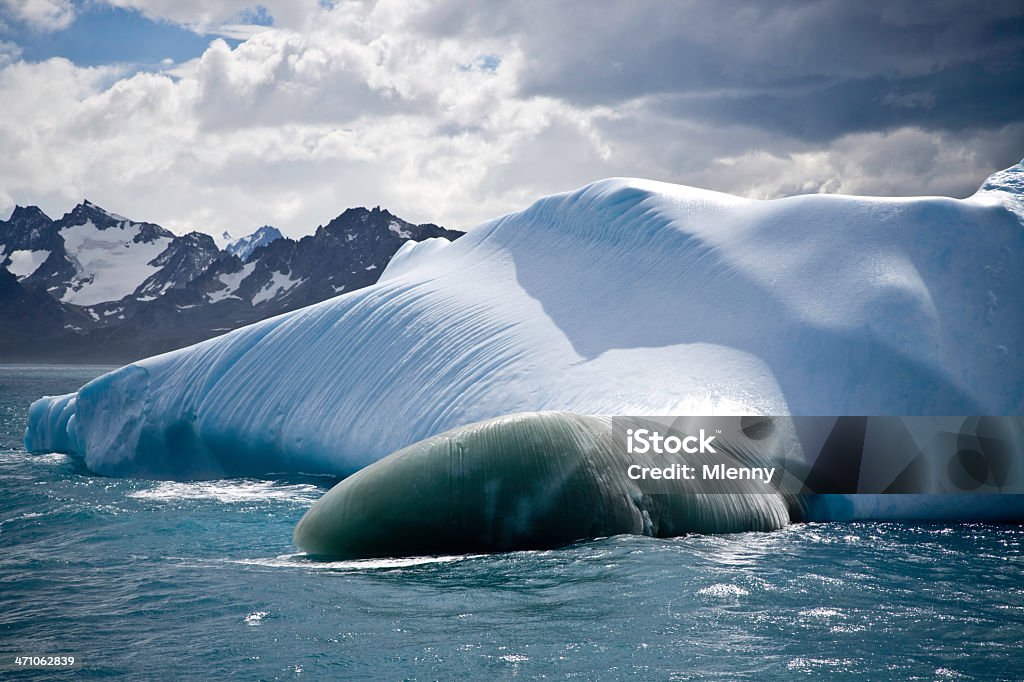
(626, 296)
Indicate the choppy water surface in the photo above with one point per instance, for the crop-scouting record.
(150, 579)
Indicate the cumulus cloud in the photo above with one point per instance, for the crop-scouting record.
(9, 52)
(41, 15)
(455, 112)
(288, 127)
(882, 164)
(208, 16)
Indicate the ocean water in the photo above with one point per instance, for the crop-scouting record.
(158, 580)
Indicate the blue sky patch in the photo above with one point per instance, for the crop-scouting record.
(106, 35)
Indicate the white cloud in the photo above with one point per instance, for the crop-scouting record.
(240, 31)
(288, 128)
(41, 15)
(210, 16)
(874, 164)
(9, 52)
(357, 106)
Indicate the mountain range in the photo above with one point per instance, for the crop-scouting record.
(95, 286)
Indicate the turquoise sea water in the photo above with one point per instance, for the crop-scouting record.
(158, 580)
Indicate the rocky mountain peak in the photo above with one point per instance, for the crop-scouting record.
(244, 247)
(87, 211)
(28, 215)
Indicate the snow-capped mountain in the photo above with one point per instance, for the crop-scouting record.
(223, 240)
(26, 240)
(94, 256)
(125, 289)
(244, 247)
(184, 259)
(348, 253)
(623, 297)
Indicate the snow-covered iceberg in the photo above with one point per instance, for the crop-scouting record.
(623, 297)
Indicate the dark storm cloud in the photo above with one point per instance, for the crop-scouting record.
(813, 70)
(960, 98)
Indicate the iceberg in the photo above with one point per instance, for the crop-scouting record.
(626, 296)
(526, 481)
(542, 480)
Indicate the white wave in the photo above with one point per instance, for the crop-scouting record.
(822, 612)
(815, 664)
(723, 590)
(23, 517)
(303, 561)
(231, 491)
(45, 458)
(53, 458)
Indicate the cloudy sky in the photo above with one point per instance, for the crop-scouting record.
(224, 115)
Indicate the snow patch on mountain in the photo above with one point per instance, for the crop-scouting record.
(279, 284)
(110, 263)
(24, 262)
(398, 229)
(231, 281)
